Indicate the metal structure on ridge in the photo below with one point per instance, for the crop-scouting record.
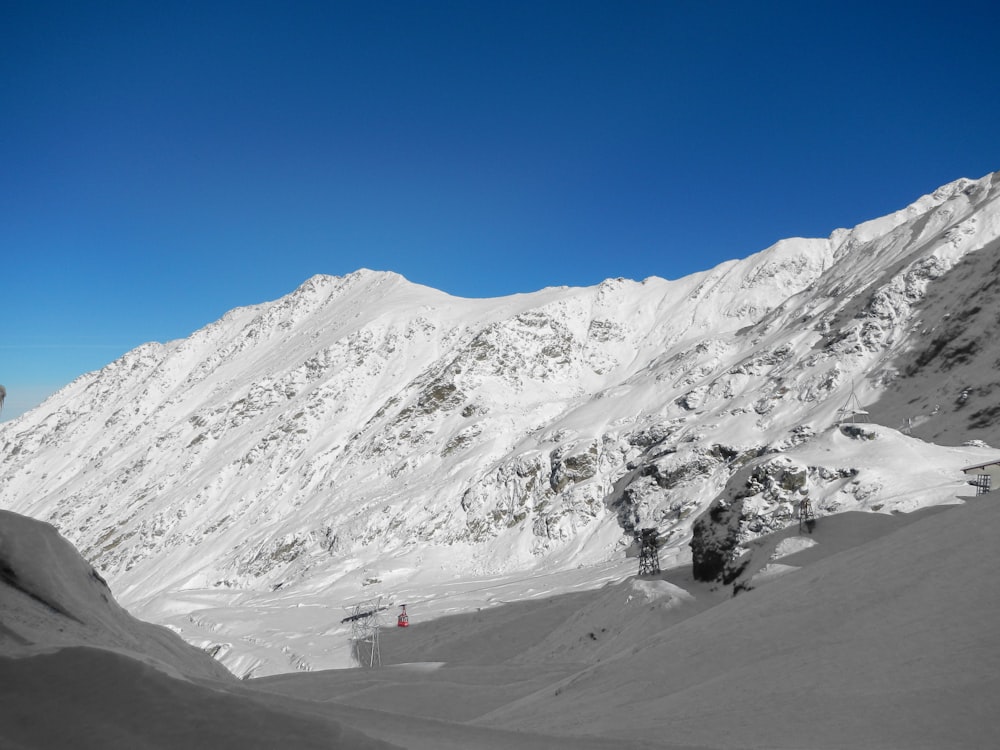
(365, 626)
(649, 554)
(852, 411)
(807, 518)
(984, 475)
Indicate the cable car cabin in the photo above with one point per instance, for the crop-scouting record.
(403, 621)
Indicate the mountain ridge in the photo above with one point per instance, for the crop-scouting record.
(316, 440)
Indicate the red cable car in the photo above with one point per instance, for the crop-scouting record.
(403, 621)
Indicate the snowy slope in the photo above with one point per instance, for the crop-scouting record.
(879, 633)
(890, 620)
(93, 699)
(50, 598)
(887, 644)
(76, 670)
(366, 435)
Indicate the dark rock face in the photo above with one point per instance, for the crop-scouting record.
(715, 537)
(571, 464)
(759, 498)
(944, 389)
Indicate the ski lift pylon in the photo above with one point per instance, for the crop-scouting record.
(850, 411)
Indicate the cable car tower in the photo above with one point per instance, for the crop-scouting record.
(365, 625)
(851, 411)
(807, 517)
(649, 554)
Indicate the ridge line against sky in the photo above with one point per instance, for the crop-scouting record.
(165, 163)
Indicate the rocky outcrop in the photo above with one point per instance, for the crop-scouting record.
(765, 496)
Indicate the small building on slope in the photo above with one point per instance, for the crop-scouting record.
(987, 476)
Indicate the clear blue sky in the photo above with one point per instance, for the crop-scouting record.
(164, 162)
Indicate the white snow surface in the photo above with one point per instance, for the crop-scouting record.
(791, 545)
(366, 436)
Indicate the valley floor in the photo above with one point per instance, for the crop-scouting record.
(439, 678)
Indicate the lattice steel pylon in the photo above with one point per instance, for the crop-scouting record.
(649, 555)
(807, 518)
(852, 411)
(365, 626)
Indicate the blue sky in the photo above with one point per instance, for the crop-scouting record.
(165, 162)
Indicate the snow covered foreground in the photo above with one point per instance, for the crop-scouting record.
(880, 633)
(77, 671)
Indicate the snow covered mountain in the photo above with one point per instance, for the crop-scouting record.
(364, 434)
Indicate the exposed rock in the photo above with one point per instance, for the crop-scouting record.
(572, 464)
